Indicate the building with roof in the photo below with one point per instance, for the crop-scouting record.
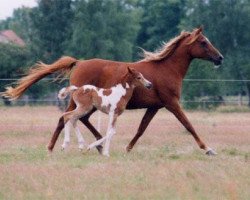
(9, 36)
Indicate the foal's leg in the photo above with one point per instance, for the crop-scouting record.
(66, 136)
(110, 132)
(98, 136)
(66, 117)
(80, 138)
(73, 116)
(84, 120)
(96, 143)
(175, 108)
(148, 116)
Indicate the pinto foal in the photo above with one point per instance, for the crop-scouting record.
(111, 101)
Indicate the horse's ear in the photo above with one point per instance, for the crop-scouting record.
(199, 30)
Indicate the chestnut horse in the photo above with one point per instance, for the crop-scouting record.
(165, 68)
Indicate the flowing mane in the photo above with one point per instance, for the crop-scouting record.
(167, 49)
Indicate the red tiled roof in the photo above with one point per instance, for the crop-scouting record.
(11, 36)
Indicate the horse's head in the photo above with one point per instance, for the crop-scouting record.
(137, 79)
(201, 47)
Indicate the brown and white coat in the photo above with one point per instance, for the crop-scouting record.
(111, 101)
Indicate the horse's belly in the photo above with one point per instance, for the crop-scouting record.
(144, 98)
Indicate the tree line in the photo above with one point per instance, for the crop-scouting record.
(115, 30)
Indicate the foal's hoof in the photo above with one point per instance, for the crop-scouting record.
(81, 146)
(105, 154)
(80, 149)
(211, 152)
(88, 148)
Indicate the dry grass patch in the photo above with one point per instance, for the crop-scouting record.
(165, 164)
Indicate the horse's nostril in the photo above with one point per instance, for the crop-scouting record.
(221, 57)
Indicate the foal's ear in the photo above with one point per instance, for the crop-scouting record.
(131, 70)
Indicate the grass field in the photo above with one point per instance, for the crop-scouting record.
(166, 163)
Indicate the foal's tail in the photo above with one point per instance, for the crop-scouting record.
(63, 65)
(63, 93)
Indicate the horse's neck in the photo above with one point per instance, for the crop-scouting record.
(179, 61)
(129, 91)
(127, 83)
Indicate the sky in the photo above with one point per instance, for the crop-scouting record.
(7, 6)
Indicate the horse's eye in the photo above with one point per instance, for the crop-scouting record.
(203, 43)
(139, 78)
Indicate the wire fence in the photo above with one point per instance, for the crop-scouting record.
(204, 101)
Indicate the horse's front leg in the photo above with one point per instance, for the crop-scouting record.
(148, 116)
(175, 108)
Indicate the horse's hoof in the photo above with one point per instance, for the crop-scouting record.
(128, 148)
(99, 148)
(211, 152)
(49, 148)
(49, 152)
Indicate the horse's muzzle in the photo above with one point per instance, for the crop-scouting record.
(218, 60)
(149, 85)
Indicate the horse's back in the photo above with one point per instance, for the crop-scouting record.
(98, 72)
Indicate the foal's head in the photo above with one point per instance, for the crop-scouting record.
(201, 47)
(135, 78)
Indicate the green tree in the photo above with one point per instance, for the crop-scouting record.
(52, 28)
(104, 29)
(13, 60)
(227, 26)
(20, 23)
(160, 22)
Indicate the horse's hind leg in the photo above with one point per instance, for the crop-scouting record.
(59, 127)
(85, 121)
(58, 130)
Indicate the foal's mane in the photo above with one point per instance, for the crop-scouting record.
(167, 48)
